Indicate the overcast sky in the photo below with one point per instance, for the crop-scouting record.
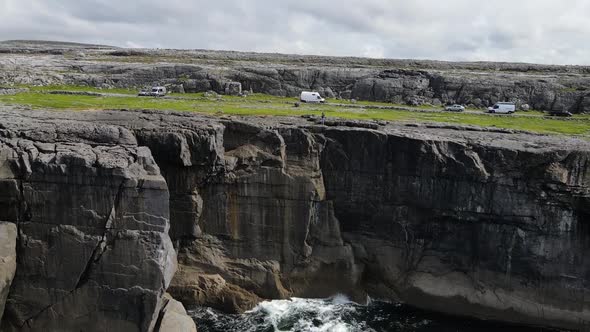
(541, 31)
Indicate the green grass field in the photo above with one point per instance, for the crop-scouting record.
(79, 88)
(264, 105)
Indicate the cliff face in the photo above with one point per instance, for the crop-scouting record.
(494, 230)
(542, 87)
(474, 223)
(490, 225)
(92, 214)
(8, 260)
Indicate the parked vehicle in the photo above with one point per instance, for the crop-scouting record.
(502, 108)
(455, 108)
(560, 113)
(158, 91)
(311, 97)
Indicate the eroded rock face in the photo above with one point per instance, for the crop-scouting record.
(7, 260)
(92, 212)
(484, 224)
(497, 231)
(258, 214)
(487, 224)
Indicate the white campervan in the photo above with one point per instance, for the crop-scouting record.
(503, 108)
(158, 91)
(311, 97)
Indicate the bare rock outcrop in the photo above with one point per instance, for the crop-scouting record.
(480, 84)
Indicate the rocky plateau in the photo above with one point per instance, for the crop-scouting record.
(414, 82)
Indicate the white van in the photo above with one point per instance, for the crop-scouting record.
(311, 97)
(158, 91)
(503, 108)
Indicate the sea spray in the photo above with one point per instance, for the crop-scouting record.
(337, 314)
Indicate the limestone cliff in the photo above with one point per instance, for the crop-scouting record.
(470, 222)
(7, 260)
(92, 214)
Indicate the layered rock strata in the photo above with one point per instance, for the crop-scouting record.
(479, 223)
(92, 214)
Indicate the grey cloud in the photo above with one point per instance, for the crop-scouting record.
(499, 39)
(546, 31)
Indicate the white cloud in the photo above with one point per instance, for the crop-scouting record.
(544, 31)
(130, 44)
(373, 51)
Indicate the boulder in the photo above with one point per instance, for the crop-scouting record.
(197, 85)
(414, 101)
(211, 94)
(176, 88)
(174, 318)
(197, 287)
(7, 260)
(233, 88)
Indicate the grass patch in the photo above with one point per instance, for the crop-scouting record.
(264, 105)
(81, 89)
(77, 88)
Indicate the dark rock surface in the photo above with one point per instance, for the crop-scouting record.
(497, 230)
(415, 82)
(479, 223)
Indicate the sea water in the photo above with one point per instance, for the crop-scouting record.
(338, 314)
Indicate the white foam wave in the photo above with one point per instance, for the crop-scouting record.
(312, 315)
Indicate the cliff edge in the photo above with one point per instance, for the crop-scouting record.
(468, 222)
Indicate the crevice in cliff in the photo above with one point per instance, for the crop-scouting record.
(459, 93)
(94, 258)
(414, 251)
(29, 320)
(24, 212)
(100, 247)
(161, 314)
